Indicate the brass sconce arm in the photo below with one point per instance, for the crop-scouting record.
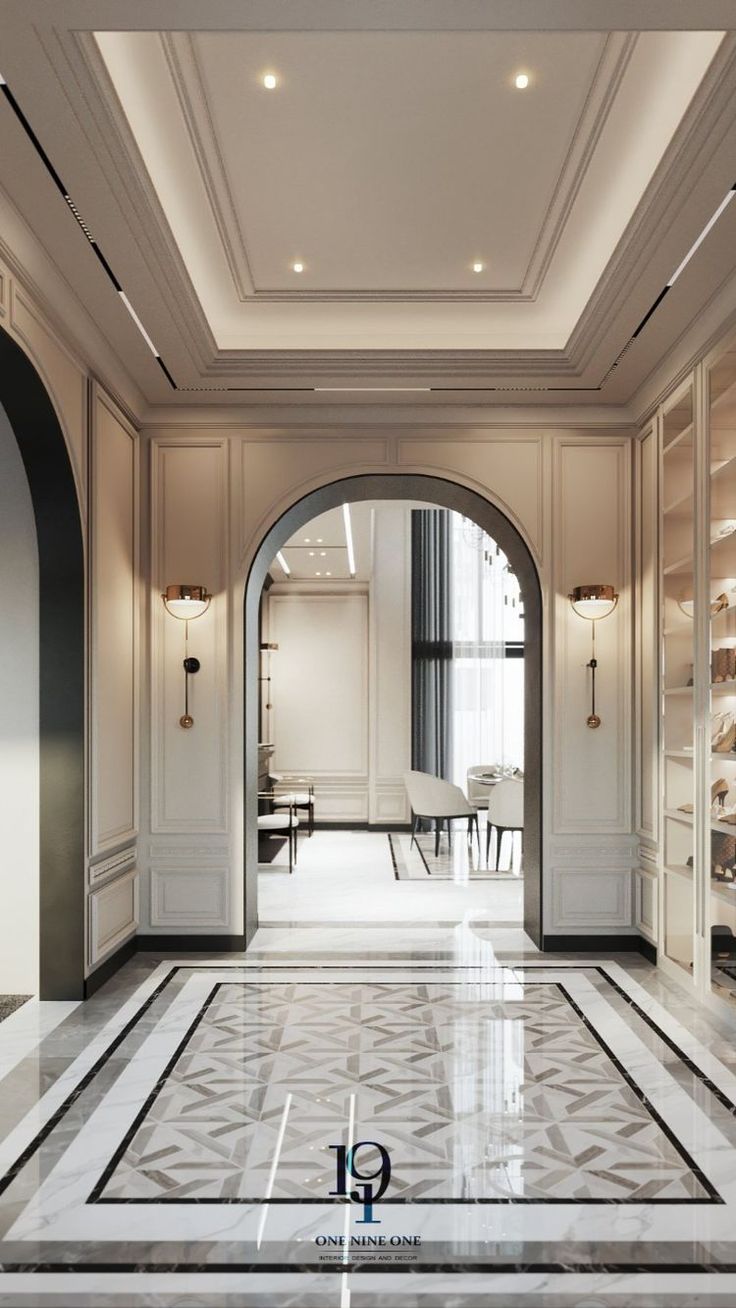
(186, 602)
(593, 603)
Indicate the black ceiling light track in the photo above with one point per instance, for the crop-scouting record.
(11, 100)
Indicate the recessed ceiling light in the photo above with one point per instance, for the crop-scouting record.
(323, 554)
(307, 540)
(319, 540)
(311, 554)
(477, 267)
(269, 81)
(521, 81)
(318, 574)
(328, 574)
(298, 267)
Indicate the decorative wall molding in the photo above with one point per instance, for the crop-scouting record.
(646, 904)
(646, 636)
(621, 855)
(591, 771)
(278, 467)
(511, 473)
(389, 802)
(114, 626)
(589, 899)
(112, 916)
(187, 850)
(190, 896)
(107, 868)
(190, 534)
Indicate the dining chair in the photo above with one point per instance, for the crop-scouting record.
(299, 794)
(272, 824)
(505, 813)
(439, 801)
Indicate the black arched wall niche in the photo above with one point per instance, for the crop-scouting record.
(449, 495)
(61, 671)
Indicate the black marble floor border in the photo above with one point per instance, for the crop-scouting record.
(97, 1196)
(445, 1266)
(414, 1269)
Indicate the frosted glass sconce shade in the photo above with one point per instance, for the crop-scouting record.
(593, 602)
(186, 602)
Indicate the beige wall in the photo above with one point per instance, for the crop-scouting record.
(222, 489)
(174, 799)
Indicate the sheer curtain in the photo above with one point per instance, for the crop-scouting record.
(487, 665)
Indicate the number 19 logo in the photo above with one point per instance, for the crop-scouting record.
(347, 1165)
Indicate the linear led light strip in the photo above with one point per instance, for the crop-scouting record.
(283, 564)
(82, 224)
(349, 538)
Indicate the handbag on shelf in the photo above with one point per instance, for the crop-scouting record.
(722, 732)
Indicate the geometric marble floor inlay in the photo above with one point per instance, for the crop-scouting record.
(558, 1137)
(475, 1099)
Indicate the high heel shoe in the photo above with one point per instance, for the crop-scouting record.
(718, 791)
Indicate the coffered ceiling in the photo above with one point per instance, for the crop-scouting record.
(393, 215)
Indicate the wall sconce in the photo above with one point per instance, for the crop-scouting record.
(593, 603)
(187, 603)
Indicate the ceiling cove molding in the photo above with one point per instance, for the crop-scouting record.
(710, 116)
(187, 77)
(197, 358)
(273, 368)
(101, 117)
(467, 422)
(712, 326)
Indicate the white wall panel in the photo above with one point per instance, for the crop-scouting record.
(278, 470)
(189, 541)
(190, 896)
(319, 686)
(114, 605)
(510, 468)
(647, 640)
(112, 916)
(591, 775)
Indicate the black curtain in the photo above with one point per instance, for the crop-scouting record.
(431, 642)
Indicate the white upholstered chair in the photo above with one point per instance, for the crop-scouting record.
(274, 824)
(505, 813)
(431, 797)
(296, 792)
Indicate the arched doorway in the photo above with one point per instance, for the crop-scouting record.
(40, 440)
(445, 494)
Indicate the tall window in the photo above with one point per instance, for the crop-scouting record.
(487, 663)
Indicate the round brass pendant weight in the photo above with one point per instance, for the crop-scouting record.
(186, 720)
(593, 720)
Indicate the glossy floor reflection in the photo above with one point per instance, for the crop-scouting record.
(557, 1134)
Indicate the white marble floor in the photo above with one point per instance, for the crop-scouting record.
(559, 1131)
(348, 876)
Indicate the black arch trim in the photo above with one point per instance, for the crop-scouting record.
(448, 494)
(62, 654)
